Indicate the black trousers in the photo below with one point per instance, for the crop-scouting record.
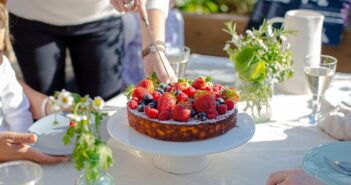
(96, 51)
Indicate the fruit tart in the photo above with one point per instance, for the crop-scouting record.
(182, 111)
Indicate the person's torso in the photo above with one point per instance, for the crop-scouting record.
(62, 12)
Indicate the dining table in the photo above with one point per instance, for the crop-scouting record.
(278, 144)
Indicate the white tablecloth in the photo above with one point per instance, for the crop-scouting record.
(276, 145)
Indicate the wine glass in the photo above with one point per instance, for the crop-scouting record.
(319, 71)
(178, 58)
(20, 172)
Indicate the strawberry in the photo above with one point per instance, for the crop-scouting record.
(212, 114)
(204, 101)
(231, 93)
(182, 97)
(190, 91)
(166, 102)
(147, 84)
(132, 104)
(230, 104)
(152, 113)
(180, 85)
(201, 82)
(165, 115)
(140, 92)
(222, 109)
(181, 113)
(156, 95)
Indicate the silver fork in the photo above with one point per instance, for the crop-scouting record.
(337, 167)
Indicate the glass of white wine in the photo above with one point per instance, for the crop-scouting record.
(20, 172)
(178, 58)
(319, 71)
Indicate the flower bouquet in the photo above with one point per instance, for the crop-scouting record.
(90, 151)
(260, 57)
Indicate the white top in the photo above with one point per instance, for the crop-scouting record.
(14, 105)
(71, 12)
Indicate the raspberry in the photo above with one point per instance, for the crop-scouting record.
(181, 113)
(135, 99)
(182, 97)
(152, 113)
(209, 89)
(230, 104)
(165, 115)
(212, 114)
(156, 95)
(222, 109)
(71, 123)
(132, 104)
(147, 108)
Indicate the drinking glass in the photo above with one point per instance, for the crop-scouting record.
(20, 172)
(178, 58)
(319, 71)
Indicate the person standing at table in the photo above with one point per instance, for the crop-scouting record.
(15, 115)
(92, 31)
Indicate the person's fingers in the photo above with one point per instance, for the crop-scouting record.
(14, 137)
(116, 6)
(277, 177)
(39, 157)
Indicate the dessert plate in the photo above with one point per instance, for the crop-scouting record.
(315, 165)
(120, 130)
(50, 135)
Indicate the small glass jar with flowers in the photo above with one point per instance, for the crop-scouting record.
(90, 152)
(260, 57)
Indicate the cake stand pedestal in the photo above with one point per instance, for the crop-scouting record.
(179, 157)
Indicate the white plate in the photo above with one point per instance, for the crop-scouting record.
(120, 130)
(314, 164)
(50, 135)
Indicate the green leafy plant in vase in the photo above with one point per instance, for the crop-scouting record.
(90, 152)
(260, 57)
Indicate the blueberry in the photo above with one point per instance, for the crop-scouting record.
(176, 92)
(148, 98)
(193, 112)
(220, 100)
(217, 104)
(141, 108)
(163, 85)
(143, 102)
(203, 118)
(153, 104)
(160, 90)
(201, 114)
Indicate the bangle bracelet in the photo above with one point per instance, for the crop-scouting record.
(157, 43)
(152, 49)
(43, 107)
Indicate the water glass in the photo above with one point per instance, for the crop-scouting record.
(178, 58)
(319, 71)
(20, 172)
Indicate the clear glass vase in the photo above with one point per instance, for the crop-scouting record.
(103, 178)
(257, 99)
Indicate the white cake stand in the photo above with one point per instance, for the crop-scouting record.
(180, 157)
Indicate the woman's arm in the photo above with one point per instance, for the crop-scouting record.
(36, 100)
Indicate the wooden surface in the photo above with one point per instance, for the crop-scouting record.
(204, 35)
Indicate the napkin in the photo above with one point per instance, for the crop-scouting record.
(338, 122)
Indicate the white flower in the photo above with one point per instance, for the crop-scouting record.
(65, 98)
(74, 117)
(261, 43)
(269, 30)
(85, 101)
(226, 47)
(98, 103)
(250, 33)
